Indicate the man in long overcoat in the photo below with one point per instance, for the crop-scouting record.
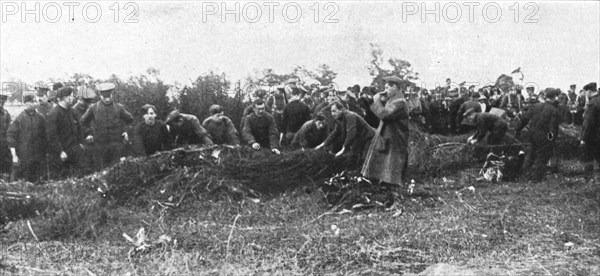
(543, 120)
(28, 142)
(590, 133)
(387, 158)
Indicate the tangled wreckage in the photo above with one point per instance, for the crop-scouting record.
(177, 177)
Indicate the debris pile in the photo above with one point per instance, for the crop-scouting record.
(170, 177)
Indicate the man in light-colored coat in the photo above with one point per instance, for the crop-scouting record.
(387, 158)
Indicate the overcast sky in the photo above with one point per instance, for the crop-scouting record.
(554, 43)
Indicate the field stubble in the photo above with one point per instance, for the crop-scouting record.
(520, 228)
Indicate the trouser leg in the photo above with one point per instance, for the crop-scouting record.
(542, 155)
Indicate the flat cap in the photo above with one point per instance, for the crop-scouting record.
(106, 87)
(591, 86)
(393, 79)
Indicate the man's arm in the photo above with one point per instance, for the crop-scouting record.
(52, 130)
(481, 129)
(232, 132)
(247, 131)
(589, 121)
(351, 130)
(13, 133)
(201, 132)
(273, 139)
(334, 133)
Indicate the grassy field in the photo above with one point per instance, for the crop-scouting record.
(520, 228)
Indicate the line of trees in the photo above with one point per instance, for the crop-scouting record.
(216, 88)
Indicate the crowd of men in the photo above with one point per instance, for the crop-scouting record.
(55, 137)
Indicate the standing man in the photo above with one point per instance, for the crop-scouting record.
(64, 136)
(220, 127)
(87, 97)
(259, 129)
(276, 104)
(387, 158)
(295, 114)
(108, 122)
(5, 155)
(28, 143)
(590, 133)
(543, 119)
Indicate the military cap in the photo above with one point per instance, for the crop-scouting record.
(590, 86)
(64, 92)
(393, 79)
(106, 87)
(530, 88)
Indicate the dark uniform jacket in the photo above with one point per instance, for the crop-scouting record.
(261, 130)
(353, 130)
(63, 129)
(543, 119)
(5, 155)
(222, 130)
(79, 109)
(109, 121)
(149, 139)
(590, 131)
(27, 134)
(488, 122)
(4, 125)
(365, 104)
(309, 136)
(472, 106)
(295, 114)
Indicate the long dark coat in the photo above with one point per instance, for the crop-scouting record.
(387, 157)
(27, 134)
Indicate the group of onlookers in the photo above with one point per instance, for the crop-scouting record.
(57, 138)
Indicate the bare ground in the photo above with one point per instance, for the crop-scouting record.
(518, 228)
